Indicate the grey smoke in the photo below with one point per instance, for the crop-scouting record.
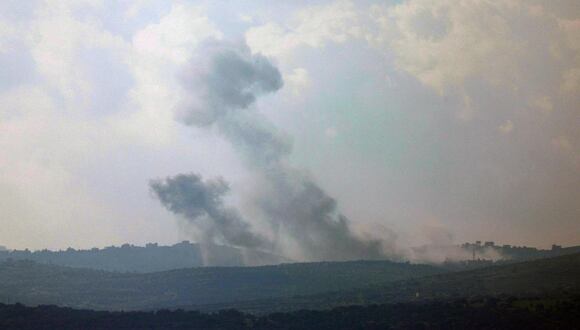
(187, 195)
(221, 83)
(225, 77)
(301, 209)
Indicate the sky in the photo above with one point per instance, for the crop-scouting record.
(407, 122)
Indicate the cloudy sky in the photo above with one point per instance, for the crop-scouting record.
(426, 121)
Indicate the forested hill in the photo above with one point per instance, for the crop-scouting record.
(477, 313)
(33, 283)
(551, 277)
(151, 258)
(156, 258)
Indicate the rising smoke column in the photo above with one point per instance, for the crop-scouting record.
(220, 82)
(187, 195)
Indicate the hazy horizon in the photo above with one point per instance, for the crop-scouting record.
(311, 129)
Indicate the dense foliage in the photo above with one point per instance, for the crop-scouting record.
(554, 276)
(32, 283)
(475, 313)
(540, 294)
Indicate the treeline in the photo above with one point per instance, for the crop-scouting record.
(155, 258)
(150, 258)
(279, 288)
(472, 313)
(513, 252)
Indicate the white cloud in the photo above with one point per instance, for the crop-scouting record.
(447, 44)
(56, 39)
(460, 69)
(157, 51)
(58, 138)
(7, 33)
(176, 34)
(443, 43)
(135, 7)
(298, 80)
(312, 26)
(41, 191)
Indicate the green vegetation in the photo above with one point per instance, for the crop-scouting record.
(32, 283)
(539, 294)
(551, 277)
(479, 313)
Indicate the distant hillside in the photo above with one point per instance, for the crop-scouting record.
(513, 252)
(151, 258)
(478, 254)
(156, 258)
(33, 283)
(544, 277)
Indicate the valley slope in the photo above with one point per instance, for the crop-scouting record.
(32, 283)
(551, 277)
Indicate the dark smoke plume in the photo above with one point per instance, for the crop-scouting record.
(221, 82)
(224, 77)
(190, 197)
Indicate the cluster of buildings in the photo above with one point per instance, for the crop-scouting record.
(479, 250)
